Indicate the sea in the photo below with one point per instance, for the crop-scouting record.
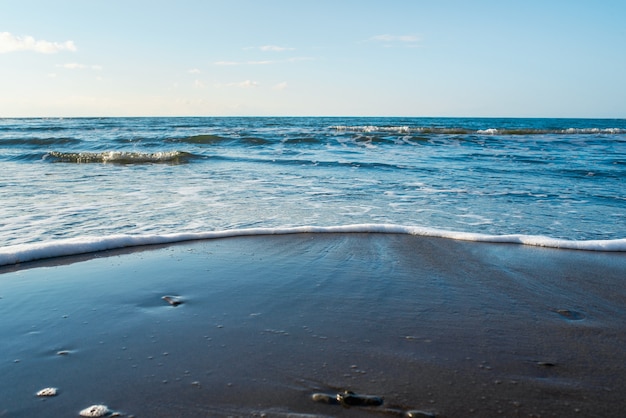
(77, 185)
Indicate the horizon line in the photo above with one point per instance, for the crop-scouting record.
(312, 116)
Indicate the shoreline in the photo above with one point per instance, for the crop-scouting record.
(451, 328)
(68, 247)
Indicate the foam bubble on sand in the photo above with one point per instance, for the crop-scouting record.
(95, 411)
(47, 392)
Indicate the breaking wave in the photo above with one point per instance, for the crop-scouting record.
(465, 131)
(119, 157)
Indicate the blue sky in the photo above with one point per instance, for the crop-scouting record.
(299, 57)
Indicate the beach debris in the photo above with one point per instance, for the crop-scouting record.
(547, 364)
(95, 411)
(48, 392)
(325, 398)
(571, 315)
(276, 331)
(419, 414)
(173, 300)
(349, 398)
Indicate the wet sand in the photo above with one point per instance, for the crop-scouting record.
(451, 329)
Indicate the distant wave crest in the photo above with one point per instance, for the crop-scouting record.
(73, 246)
(217, 139)
(465, 131)
(119, 157)
(38, 142)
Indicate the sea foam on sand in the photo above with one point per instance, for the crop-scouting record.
(72, 246)
(95, 411)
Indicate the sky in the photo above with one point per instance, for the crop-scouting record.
(503, 58)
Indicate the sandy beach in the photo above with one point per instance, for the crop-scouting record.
(255, 326)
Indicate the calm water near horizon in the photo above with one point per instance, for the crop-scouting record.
(97, 177)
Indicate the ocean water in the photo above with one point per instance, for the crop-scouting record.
(84, 184)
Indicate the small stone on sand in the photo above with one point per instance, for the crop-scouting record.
(571, 315)
(173, 300)
(545, 364)
(324, 398)
(348, 398)
(95, 411)
(47, 392)
(419, 414)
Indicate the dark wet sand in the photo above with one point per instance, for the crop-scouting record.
(455, 329)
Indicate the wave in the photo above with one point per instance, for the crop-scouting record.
(215, 139)
(37, 142)
(469, 131)
(199, 139)
(22, 253)
(568, 131)
(120, 157)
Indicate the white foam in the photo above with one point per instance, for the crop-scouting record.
(372, 128)
(118, 157)
(95, 411)
(73, 246)
(487, 131)
(613, 131)
(47, 392)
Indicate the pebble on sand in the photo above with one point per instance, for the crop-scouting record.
(571, 315)
(47, 392)
(349, 398)
(95, 411)
(325, 398)
(419, 414)
(173, 300)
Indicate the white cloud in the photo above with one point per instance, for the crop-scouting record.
(241, 84)
(12, 43)
(199, 84)
(411, 40)
(233, 63)
(274, 48)
(247, 84)
(73, 66)
(77, 66)
(297, 59)
(194, 71)
(280, 86)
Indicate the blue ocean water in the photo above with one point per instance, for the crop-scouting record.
(87, 179)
